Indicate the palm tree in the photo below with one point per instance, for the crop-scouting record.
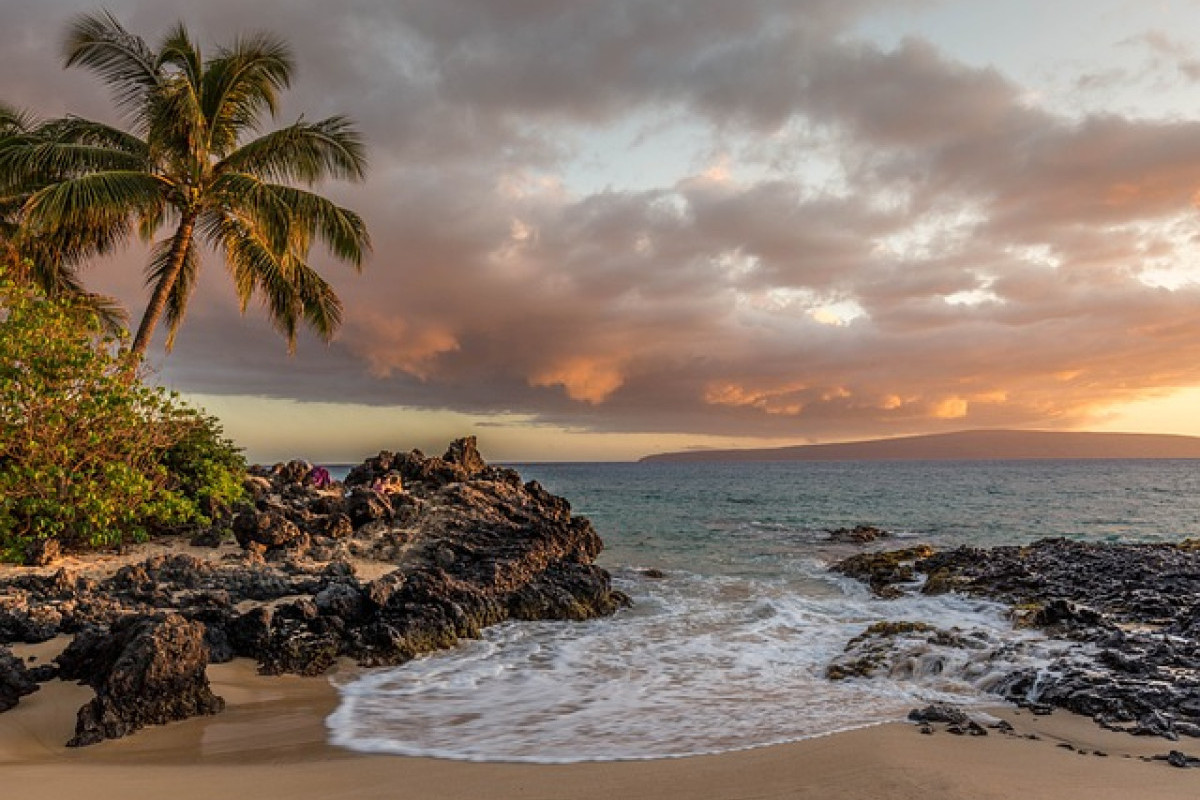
(190, 164)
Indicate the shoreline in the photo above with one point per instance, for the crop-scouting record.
(272, 736)
(318, 575)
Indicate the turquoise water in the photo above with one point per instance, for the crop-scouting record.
(710, 517)
(729, 650)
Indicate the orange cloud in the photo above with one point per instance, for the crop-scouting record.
(780, 401)
(950, 408)
(586, 379)
(388, 344)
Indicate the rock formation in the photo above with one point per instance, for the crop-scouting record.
(145, 670)
(1132, 609)
(15, 680)
(469, 545)
(859, 534)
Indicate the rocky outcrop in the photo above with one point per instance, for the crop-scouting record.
(41, 552)
(15, 680)
(885, 572)
(1132, 609)
(955, 720)
(473, 553)
(145, 670)
(468, 545)
(859, 534)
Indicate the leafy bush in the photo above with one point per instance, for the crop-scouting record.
(204, 466)
(89, 454)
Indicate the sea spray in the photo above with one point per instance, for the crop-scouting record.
(699, 665)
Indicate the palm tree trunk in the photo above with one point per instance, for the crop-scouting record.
(162, 290)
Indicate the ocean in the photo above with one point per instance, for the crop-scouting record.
(728, 651)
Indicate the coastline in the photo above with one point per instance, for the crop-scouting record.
(446, 541)
(272, 737)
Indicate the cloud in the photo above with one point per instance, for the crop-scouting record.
(398, 345)
(894, 242)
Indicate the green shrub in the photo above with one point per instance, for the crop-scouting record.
(203, 465)
(89, 454)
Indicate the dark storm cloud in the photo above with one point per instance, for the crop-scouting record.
(969, 258)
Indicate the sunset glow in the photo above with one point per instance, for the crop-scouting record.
(607, 228)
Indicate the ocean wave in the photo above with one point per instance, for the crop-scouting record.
(701, 664)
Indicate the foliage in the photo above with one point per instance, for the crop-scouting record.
(89, 454)
(204, 466)
(194, 162)
(48, 261)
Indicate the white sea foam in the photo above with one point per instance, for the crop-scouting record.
(699, 665)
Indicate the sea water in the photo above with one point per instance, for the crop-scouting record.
(729, 650)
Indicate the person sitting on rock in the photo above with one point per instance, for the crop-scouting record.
(319, 478)
(391, 483)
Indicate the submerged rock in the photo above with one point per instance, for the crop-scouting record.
(910, 649)
(859, 534)
(884, 570)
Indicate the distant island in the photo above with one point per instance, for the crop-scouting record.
(965, 446)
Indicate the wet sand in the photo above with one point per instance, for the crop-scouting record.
(271, 743)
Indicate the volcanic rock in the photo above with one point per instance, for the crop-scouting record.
(268, 528)
(882, 571)
(15, 680)
(464, 453)
(1131, 609)
(466, 546)
(145, 670)
(859, 534)
(42, 552)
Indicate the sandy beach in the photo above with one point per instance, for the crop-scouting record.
(271, 743)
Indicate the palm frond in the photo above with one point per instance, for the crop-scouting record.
(77, 130)
(67, 245)
(15, 121)
(321, 306)
(312, 216)
(255, 204)
(17, 134)
(304, 152)
(38, 163)
(176, 128)
(64, 284)
(113, 316)
(59, 281)
(248, 255)
(241, 84)
(153, 218)
(121, 59)
(179, 52)
(341, 230)
(91, 201)
(291, 291)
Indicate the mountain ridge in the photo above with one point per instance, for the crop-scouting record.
(972, 445)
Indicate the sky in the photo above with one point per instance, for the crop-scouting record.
(604, 229)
